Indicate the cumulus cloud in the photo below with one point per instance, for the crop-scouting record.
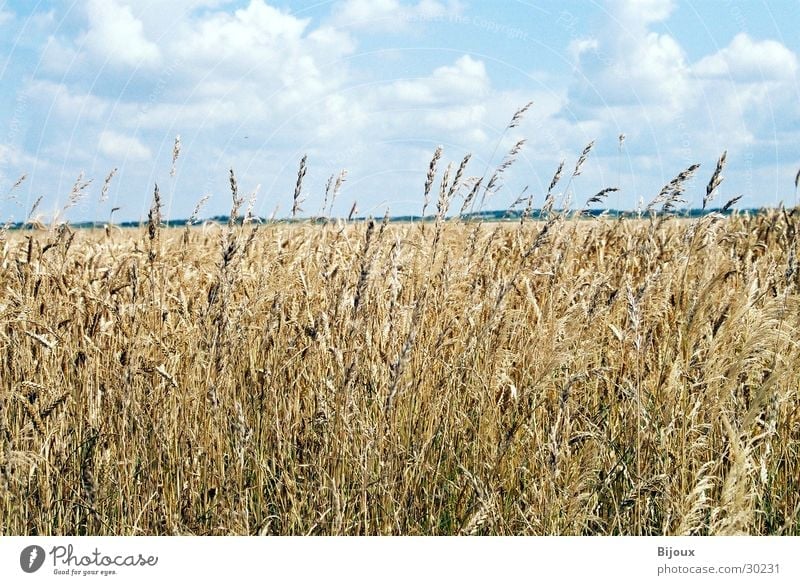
(59, 55)
(745, 84)
(117, 36)
(6, 16)
(121, 147)
(264, 59)
(70, 105)
(631, 73)
(253, 85)
(260, 66)
(254, 64)
(748, 60)
(466, 78)
(634, 15)
(460, 117)
(640, 82)
(159, 16)
(9, 156)
(629, 64)
(390, 15)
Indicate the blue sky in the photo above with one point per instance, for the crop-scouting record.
(373, 86)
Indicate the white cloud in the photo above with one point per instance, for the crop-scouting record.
(466, 117)
(633, 75)
(6, 16)
(117, 36)
(390, 15)
(634, 15)
(71, 106)
(10, 157)
(630, 65)
(261, 51)
(255, 64)
(360, 13)
(159, 16)
(578, 47)
(60, 55)
(256, 27)
(291, 84)
(465, 79)
(120, 147)
(634, 80)
(746, 60)
(198, 113)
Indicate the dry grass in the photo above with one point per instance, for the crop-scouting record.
(568, 377)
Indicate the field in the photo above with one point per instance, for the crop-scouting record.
(565, 376)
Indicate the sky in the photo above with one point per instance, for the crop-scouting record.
(374, 86)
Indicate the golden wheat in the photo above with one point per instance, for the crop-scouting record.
(556, 377)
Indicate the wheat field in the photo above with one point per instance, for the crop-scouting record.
(553, 377)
